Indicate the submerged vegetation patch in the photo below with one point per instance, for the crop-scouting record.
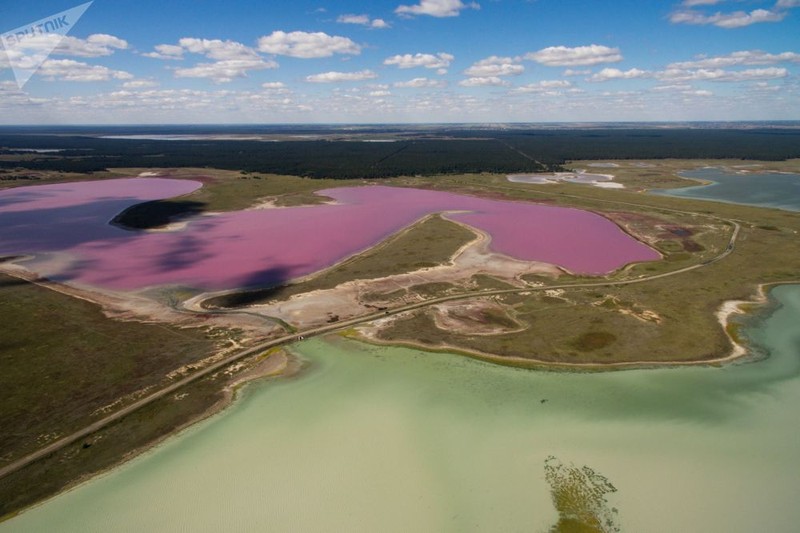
(579, 495)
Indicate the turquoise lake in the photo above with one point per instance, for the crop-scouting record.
(765, 189)
(391, 439)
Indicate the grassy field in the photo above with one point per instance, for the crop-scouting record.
(107, 447)
(62, 360)
(22, 177)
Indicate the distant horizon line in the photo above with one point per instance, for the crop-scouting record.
(405, 124)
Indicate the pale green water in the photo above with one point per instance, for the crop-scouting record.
(387, 439)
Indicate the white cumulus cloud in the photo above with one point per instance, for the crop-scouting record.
(166, 51)
(99, 44)
(736, 19)
(616, 74)
(674, 75)
(577, 72)
(306, 45)
(438, 61)
(224, 71)
(543, 86)
(71, 70)
(484, 81)
(671, 88)
(436, 8)
(217, 49)
(495, 66)
(140, 84)
(744, 57)
(336, 77)
(419, 83)
(564, 56)
(231, 59)
(363, 20)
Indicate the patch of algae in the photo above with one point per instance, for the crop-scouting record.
(579, 495)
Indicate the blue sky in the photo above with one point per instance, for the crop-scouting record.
(248, 61)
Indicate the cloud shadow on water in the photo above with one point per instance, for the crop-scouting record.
(186, 252)
(260, 286)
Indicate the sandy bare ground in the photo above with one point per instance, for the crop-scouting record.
(604, 181)
(168, 228)
(724, 315)
(359, 297)
(474, 317)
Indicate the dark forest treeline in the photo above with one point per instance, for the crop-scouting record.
(463, 151)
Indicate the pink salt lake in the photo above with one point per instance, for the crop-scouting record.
(268, 246)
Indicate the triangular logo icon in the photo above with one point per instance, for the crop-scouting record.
(27, 47)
